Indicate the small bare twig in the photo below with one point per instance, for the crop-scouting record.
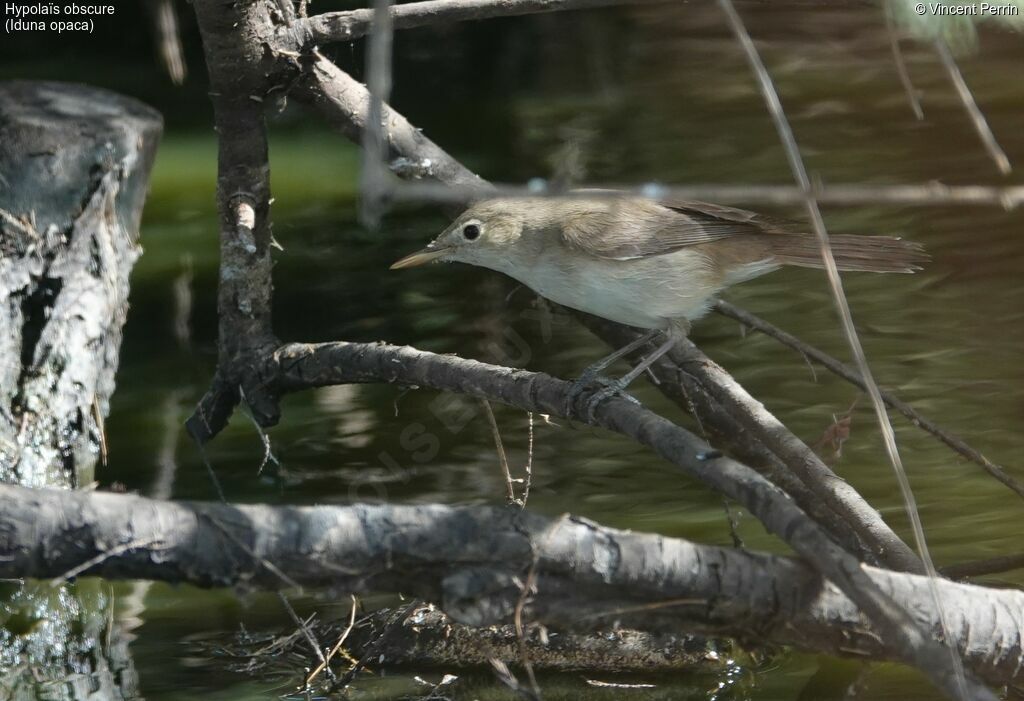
(268, 454)
(528, 469)
(978, 568)
(373, 650)
(209, 470)
(97, 416)
(839, 368)
(988, 139)
(269, 566)
(374, 173)
(901, 66)
(956, 684)
(307, 632)
(112, 552)
(182, 292)
(337, 646)
(506, 677)
(502, 458)
(734, 524)
(24, 225)
(528, 589)
(618, 685)
(352, 24)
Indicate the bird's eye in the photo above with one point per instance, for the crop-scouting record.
(471, 232)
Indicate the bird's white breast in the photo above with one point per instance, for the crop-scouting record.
(645, 292)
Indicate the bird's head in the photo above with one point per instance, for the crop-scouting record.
(486, 235)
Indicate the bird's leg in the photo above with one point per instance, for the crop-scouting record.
(593, 372)
(623, 382)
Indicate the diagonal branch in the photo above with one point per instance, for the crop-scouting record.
(303, 366)
(344, 102)
(931, 653)
(977, 117)
(839, 368)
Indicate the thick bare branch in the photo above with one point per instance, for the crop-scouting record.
(468, 559)
(234, 37)
(744, 425)
(303, 366)
(345, 102)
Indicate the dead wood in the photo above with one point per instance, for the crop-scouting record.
(471, 560)
(74, 165)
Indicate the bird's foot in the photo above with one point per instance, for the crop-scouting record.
(616, 388)
(586, 381)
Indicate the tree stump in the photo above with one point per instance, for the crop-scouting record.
(74, 168)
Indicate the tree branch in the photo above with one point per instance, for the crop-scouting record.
(344, 102)
(468, 560)
(844, 371)
(234, 37)
(346, 26)
(304, 366)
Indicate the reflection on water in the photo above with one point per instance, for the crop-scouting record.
(649, 94)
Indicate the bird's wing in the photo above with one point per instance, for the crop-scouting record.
(633, 228)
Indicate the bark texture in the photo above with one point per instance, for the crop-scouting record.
(74, 166)
(472, 560)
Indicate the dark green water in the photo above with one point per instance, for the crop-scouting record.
(659, 94)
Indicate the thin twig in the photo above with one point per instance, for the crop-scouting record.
(988, 139)
(352, 24)
(209, 470)
(839, 368)
(958, 686)
(978, 568)
(269, 566)
(106, 555)
(846, 194)
(337, 646)
(373, 650)
(23, 225)
(734, 524)
(527, 480)
(901, 66)
(268, 454)
(529, 587)
(306, 631)
(501, 450)
(646, 608)
(374, 171)
(97, 416)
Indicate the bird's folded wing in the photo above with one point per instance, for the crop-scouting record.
(630, 228)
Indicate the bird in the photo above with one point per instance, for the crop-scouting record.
(654, 264)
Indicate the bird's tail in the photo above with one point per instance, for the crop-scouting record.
(873, 254)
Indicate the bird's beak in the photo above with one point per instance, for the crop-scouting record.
(420, 257)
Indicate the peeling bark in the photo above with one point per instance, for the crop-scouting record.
(74, 165)
(471, 562)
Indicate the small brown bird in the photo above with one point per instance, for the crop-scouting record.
(651, 264)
